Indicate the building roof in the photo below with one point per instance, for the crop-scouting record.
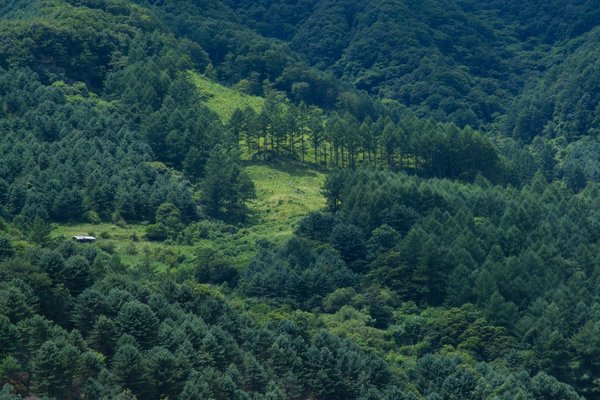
(84, 237)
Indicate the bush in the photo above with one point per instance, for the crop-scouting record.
(107, 247)
(157, 233)
(92, 217)
(131, 249)
(212, 267)
(337, 299)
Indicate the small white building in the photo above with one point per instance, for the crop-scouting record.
(84, 239)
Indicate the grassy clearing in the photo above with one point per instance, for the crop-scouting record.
(285, 193)
(127, 241)
(223, 100)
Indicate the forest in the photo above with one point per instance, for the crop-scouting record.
(327, 199)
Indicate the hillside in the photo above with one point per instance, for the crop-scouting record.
(284, 194)
(454, 61)
(222, 100)
(293, 200)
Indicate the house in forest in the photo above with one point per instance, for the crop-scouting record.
(84, 239)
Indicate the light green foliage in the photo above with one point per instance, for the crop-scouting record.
(122, 241)
(223, 100)
(356, 326)
(284, 194)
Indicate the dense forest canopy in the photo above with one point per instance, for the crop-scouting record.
(328, 199)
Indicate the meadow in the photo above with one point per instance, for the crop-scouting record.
(223, 100)
(284, 194)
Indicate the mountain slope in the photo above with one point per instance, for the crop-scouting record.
(268, 228)
(565, 101)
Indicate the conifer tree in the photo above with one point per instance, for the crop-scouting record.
(226, 186)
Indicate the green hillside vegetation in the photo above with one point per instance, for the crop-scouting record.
(565, 101)
(328, 200)
(284, 195)
(222, 100)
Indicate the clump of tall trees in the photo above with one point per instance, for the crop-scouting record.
(284, 130)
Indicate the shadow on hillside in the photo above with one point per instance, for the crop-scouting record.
(294, 168)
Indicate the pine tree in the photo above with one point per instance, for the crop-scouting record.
(255, 378)
(316, 133)
(251, 134)
(138, 320)
(103, 336)
(77, 274)
(237, 125)
(128, 369)
(17, 300)
(226, 186)
(349, 241)
(163, 373)
(195, 388)
(6, 249)
(54, 369)
(39, 231)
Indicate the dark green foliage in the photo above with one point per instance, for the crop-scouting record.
(180, 132)
(164, 373)
(173, 341)
(6, 249)
(215, 268)
(575, 178)
(168, 224)
(438, 58)
(382, 239)
(54, 366)
(226, 186)
(565, 100)
(316, 226)
(103, 336)
(548, 20)
(77, 274)
(195, 388)
(101, 169)
(89, 305)
(80, 43)
(546, 387)
(499, 248)
(297, 273)
(17, 300)
(127, 368)
(138, 320)
(157, 232)
(469, 289)
(332, 190)
(8, 336)
(349, 241)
